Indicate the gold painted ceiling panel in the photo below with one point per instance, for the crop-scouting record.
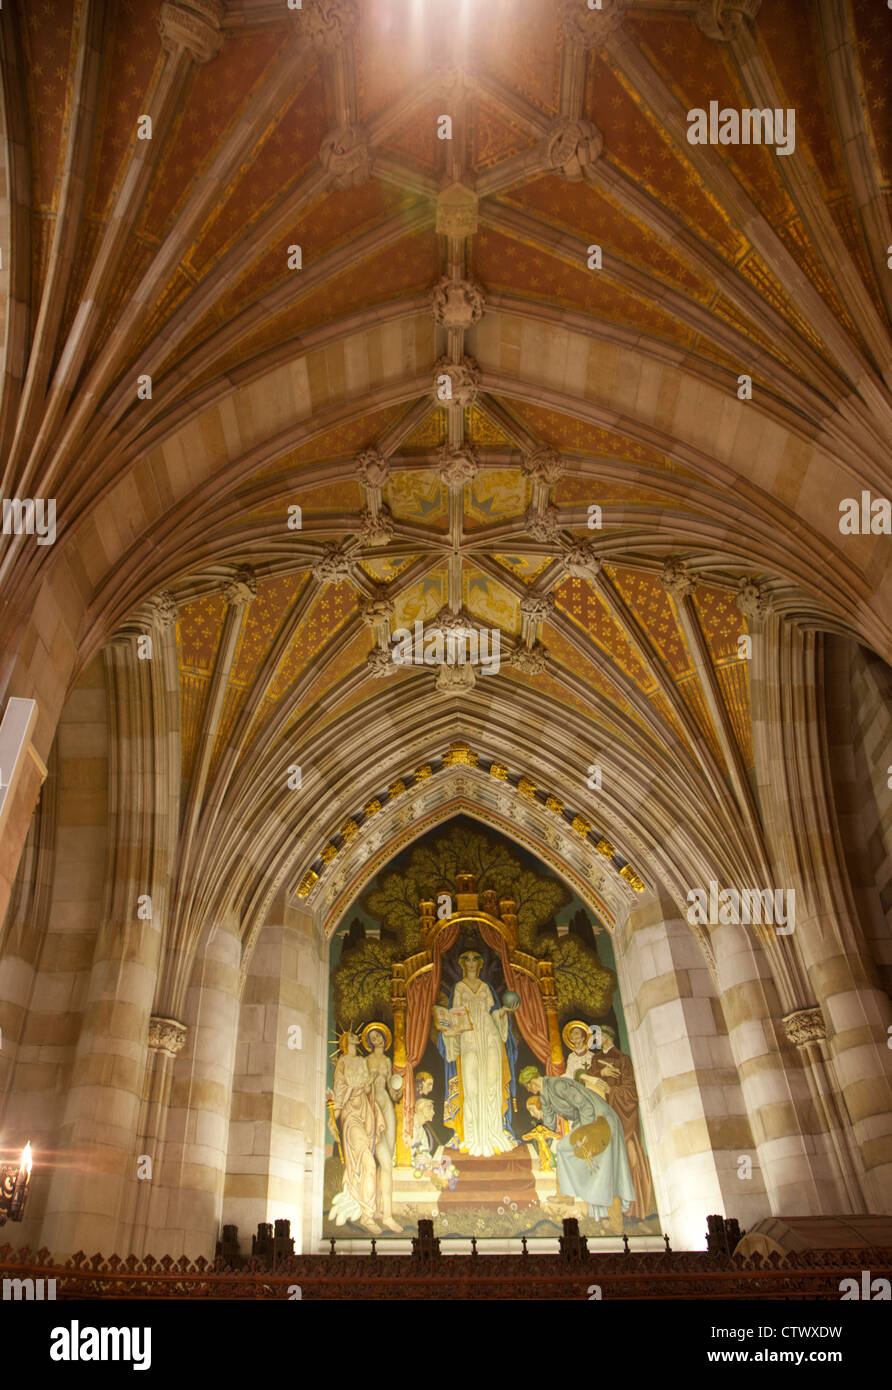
(649, 601)
(269, 175)
(349, 438)
(506, 264)
(330, 611)
(135, 48)
(701, 70)
(579, 208)
(588, 610)
(422, 601)
(216, 95)
(643, 152)
(418, 496)
(490, 601)
(734, 685)
(493, 138)
(519, 42)
(875, 55)
(721, 620)
(526, 567)
(481, 432)
(430, 434)
(495, 495)
(565, 433)
(264, 617)
(46, 40)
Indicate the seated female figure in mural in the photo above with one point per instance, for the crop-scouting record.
(592, 1163)
(479, 1065)
(362, 1124)
(375, 1037)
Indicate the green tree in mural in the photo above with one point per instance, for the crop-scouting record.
(583, 984)
(361, 983)
(432, 869)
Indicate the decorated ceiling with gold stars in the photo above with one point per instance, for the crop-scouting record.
(360, 252)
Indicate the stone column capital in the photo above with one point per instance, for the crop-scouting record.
(330, 23)
(335, 563)
(456, 465)
(537, 608)
(543, 466)
(193, 25)
(376, 527)
(572, 148)
(459, 380)
(582, 560)
(346, 157)
(752, 599)
(372, 468)
(242, 588)
(167, 1035)
(591, 27)
(676, 580)
(723, 19)
(543, 526)
(456, 303)
(805, 1026)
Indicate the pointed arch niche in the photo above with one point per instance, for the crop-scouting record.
(639, 972)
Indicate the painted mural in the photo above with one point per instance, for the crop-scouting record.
(479, 1072)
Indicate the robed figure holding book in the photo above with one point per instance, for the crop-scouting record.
(480, 1050)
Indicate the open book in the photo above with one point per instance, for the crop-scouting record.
(457, 1019)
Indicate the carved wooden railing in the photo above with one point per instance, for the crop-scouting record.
(653, 1274)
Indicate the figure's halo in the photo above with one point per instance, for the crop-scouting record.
(376, 1028)
(575, 1023)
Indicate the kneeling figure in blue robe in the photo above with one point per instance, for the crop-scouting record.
(592, 1162)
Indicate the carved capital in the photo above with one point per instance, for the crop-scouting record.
(242, 588)
(167, 1035)
(372, 468)
(329, 23)
(456, 383)
(456, 303)
(456, 466)
(572, 148)
(346, 158)
(335, 563)
(805, 1026)
(164, 609)
(458, 623)
(380, 662)
(582, 560)
(752, 600)
(543, 526)
(455, 680)
(591, 27)
(193, 25)
(537, 608)
(544, 466)
(676, 580)
(531, 661)
(376, 609)
(722, 19)
(376, 528)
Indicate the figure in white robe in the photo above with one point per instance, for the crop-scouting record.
(478, 1082)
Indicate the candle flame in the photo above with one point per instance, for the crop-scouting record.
(26, 1158)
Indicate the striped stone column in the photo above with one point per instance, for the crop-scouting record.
(48, 941)
(694, 1113)
(185, 1211)
(89, 1197)
(276, 1147)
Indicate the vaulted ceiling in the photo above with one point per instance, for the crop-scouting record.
(320, 385)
